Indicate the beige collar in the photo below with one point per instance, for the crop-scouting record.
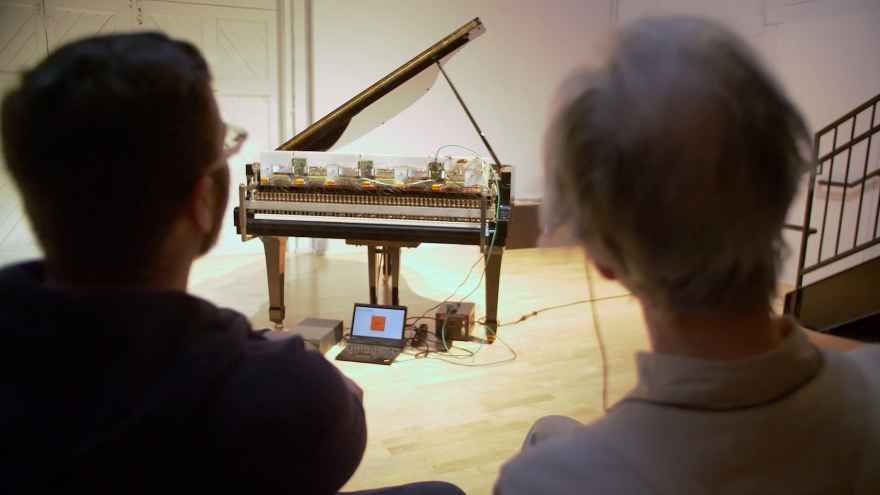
(693, 383)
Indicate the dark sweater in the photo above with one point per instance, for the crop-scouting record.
(129, 391)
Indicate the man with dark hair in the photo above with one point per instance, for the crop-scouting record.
(116, 380)
(107, 139)
(674, 164)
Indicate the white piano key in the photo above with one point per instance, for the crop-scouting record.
(373, 221)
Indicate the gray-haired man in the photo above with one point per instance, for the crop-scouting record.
(674, 165)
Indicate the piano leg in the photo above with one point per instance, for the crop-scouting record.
(392, 263)
(371, 269)
(276, 252)
(493, 278)
(390, 253)
(385, 263)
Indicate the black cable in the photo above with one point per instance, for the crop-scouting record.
(437, 153)
(471, 354)
(482, 275)
(415, 319)
(447, 352)
(487, 253)
(430, 338)
(510, 359)
(414, 341)
(536, 312)
(598, 332)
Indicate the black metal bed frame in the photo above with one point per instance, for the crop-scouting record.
(823, 175)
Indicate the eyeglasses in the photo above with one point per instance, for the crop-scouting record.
(233, 140)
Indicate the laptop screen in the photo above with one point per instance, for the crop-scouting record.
(384, 322)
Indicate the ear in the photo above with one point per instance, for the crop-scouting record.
(202, 204)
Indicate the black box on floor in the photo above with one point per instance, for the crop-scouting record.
(458, 319)
(319, 334)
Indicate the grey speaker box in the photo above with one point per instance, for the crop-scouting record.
(318, 333)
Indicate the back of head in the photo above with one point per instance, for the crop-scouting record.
(675, 164)
(105, 139)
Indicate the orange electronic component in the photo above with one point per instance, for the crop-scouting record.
(437, 187)
(299, 181)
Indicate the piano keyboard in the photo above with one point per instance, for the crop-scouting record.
(468, 215)
(369, 221)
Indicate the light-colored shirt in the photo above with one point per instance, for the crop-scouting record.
(796, 420)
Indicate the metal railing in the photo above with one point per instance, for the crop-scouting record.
(822, 182)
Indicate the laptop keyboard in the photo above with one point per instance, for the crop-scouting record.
(373, 350)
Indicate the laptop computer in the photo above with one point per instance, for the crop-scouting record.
(376, 334)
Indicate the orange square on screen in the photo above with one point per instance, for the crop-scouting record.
(377, 323)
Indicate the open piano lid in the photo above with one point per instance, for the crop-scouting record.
(384, 99)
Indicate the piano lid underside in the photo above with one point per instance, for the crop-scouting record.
(385, 98)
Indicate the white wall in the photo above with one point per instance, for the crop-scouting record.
(239, 39)
(823, 51)
(826, 54)
(507, 76)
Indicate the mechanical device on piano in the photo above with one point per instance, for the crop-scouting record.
(382, 202)
(413, 191)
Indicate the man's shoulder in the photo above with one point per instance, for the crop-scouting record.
(579, 463)
(287, 413)
(867, 357)
(280, 368)
(863, 363)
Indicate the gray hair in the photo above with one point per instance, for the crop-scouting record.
(675, 163)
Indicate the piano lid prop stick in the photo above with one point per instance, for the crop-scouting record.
(471, 118)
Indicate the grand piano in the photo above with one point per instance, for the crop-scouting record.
(384, 203)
